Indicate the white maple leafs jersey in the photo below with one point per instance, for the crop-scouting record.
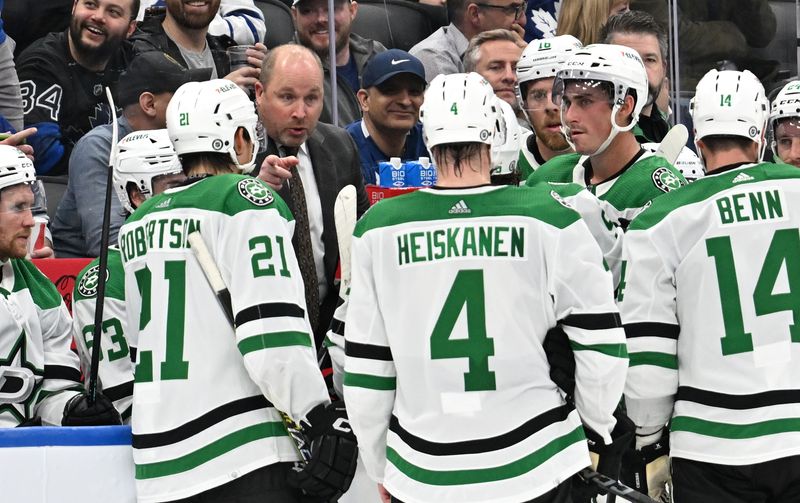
(115, 375)
(710, 300)
(39, 371)
(446, 382)
(206, 396)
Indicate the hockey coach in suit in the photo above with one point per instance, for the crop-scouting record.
(316, 161)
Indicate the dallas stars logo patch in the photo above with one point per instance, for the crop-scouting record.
(252, 190)
(666, 180)
(88, 284)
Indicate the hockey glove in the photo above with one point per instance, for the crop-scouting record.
(334, 452)
(647, 469)
(610, 456)
(561, 359)
(78, 412)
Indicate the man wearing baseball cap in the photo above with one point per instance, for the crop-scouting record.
(392, 88)
(143, 93)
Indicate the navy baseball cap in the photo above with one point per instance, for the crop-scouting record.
(387, 64)
(155, 72)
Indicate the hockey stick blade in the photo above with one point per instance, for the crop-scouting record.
(672, 144)
(615, 487)
(217, 283)
(344, 216)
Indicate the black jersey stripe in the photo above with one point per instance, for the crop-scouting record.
(123, 390)
(337, 327)
(268, 310)
(665, 330)
(599, 321)
(62, 372)
(481, 445)
(195, 426)
(369, 351)
(738, 402)
(134, 353)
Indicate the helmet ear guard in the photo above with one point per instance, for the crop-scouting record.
(205, 116)
(505, 148)
(730, 103)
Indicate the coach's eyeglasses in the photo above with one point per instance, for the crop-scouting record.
(515, 8)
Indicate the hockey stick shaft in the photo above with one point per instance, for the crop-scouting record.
(672, 144)
(615, 487)
(217, 283)
(103, 262)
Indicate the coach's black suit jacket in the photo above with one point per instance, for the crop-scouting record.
(336, 164)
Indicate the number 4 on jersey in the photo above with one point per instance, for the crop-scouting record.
(467, 291)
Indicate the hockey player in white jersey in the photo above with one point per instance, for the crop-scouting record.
(145, 165)
(784, 124)
(710, 310)
(208, 394)
(453, 289)
(39, 374)
(536, 71)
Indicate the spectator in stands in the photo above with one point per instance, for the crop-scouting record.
(26, 22)
(18, 139)
(711, 31)
(10, 97)
(352, 52)
(639, 31)
(145, 89)
(322, 160)
(443, 50)
(63, 76)
(494, 55)
(392, 90)
(239, 19)
(183, 34)
(583, 18)
(542, 16)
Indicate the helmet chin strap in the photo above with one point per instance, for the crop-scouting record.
(615, 130)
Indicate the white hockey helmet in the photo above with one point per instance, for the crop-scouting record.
(15, 167)
(507, 146)
(460, 108)
(619, 65)
(730, 103)
(785, 105)
(204, 117)
(142, 156)
(690, 166)
(542, 59)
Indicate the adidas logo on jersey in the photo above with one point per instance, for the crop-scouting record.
(742, 177)
(460, 208)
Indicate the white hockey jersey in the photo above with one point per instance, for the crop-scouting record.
(38, 371)
(452, 294)
(710, 299)
(115, 375)
(206, 396)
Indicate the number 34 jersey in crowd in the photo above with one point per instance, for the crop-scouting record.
(206, 396)
(710, 300)
(452, 294)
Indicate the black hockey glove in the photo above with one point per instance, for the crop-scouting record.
(638, 468)
(334, 452)
(78, 412)
(610, 456)
(561, 359)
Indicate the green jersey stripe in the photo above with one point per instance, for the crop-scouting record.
(615, 350)
(483, 475)
(214, 449)
(274, 340)
(665, 360)
(370, 382)
(735, 431)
